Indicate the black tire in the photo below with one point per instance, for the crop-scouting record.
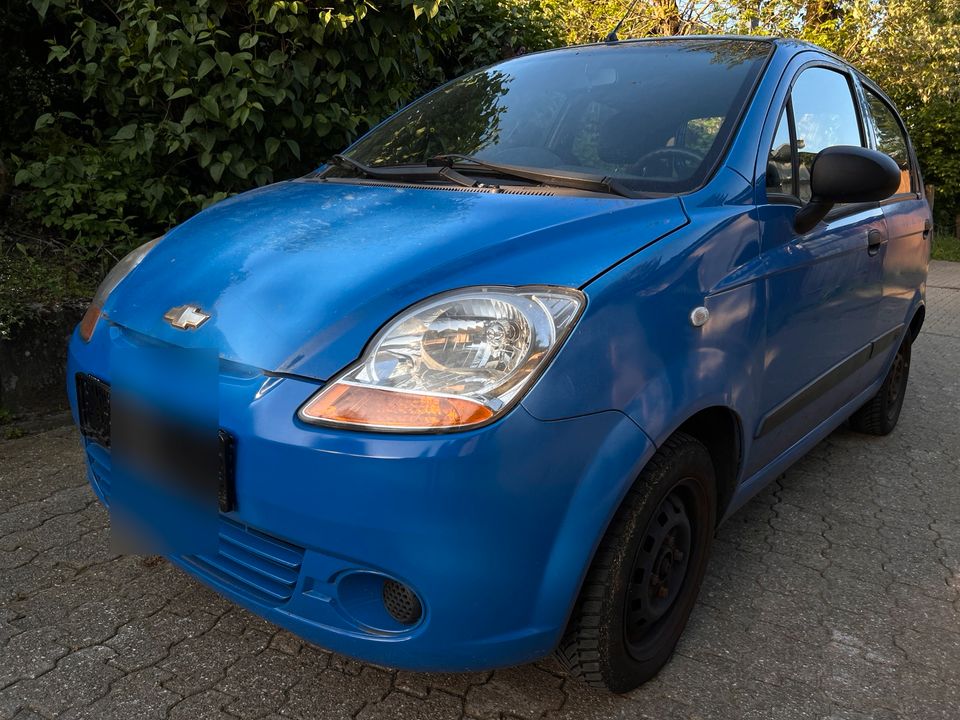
(880, 414)
(627, 619)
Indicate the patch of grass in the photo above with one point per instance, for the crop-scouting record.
(946, 247)
(35, 277)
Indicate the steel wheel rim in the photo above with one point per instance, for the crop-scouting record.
(659, 570)
(895, 389)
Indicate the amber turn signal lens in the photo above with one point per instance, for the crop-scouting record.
(89, 322)
(373, 407)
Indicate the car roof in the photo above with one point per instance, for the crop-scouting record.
(786, 43)
(787, 46)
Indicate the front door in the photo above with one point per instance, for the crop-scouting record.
(822, 288)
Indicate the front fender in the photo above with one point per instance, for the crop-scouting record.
(636, 350)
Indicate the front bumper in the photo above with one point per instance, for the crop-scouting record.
(493, 528)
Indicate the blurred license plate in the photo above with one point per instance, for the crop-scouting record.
(159, 443)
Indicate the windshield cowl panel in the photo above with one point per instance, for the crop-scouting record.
(639, 118)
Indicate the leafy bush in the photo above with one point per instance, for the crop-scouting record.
(28, 86)
(934, 129)
(185, 101)
(36, 283)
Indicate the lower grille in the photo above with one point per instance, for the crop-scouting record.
(98, 458)
(250, 562)
(93, 408)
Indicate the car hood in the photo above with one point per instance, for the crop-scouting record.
(298, 276)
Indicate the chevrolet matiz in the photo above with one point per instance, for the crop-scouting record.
(482, 387)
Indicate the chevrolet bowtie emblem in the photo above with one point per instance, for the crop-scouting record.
(186, 317)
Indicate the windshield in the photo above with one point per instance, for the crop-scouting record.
(654, 115)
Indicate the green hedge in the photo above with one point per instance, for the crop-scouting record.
(935, 130)
(180, 103)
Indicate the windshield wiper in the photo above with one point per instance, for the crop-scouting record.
(575, 180)
(402, 173)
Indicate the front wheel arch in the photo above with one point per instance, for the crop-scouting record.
(595, 647)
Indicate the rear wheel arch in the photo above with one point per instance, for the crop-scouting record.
(917, 322)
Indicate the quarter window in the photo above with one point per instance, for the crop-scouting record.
(780, 161)
(891, 139)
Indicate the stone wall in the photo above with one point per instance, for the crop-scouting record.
(33, 362)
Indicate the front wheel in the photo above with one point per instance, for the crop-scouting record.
(647, 572)
(880, 414)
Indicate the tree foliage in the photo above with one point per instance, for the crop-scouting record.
(150, 109)
(185, 101)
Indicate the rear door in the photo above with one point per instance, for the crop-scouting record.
(822, 288)
(906, 252)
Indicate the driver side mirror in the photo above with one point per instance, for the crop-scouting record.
(846, 174)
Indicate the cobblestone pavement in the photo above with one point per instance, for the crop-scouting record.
(834, 594)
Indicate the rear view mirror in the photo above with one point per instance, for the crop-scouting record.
(846, 174)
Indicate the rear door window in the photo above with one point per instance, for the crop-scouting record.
(891, 139)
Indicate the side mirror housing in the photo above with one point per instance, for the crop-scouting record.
(846, 174)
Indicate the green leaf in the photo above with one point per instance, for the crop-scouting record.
(43, 121)
(127, 132)
(225, 61)
(206, 65)
(41, 6)
(151, 35)
(89, 30)
(294, 147)
(248, 41)
(190, 114)
(209, 103)
(171, 55)
(182, 92)
(216, 171)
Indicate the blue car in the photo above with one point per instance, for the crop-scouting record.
(482, 387)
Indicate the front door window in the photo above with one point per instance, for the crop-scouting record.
(823, 114)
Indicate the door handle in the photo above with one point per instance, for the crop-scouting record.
(874, 241)
(927, 227)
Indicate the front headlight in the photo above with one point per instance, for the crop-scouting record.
(456, 360)
(119, 271)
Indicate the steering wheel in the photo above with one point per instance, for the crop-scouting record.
(684, 155)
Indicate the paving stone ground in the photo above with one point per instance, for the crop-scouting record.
(834, 594)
